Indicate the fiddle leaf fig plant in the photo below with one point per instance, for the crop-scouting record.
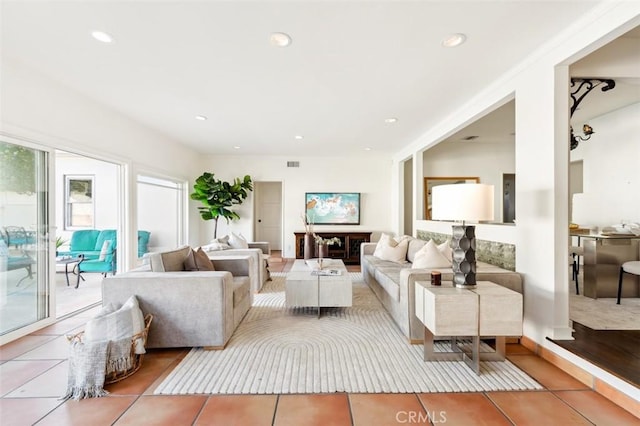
(219, 197)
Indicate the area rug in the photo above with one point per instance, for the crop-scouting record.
(604, 314)
(279, 350)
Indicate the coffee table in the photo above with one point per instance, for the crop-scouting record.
(71, 260)
(306, 288)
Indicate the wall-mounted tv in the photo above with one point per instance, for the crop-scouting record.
(333, 208)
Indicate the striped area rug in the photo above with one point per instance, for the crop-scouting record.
(276, 350)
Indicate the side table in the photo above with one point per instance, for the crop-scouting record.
(488, 310)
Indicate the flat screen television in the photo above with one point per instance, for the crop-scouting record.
(333, 208)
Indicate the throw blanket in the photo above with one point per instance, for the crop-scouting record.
(88, 363)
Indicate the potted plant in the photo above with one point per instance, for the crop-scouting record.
(219, 197)
(59, 243)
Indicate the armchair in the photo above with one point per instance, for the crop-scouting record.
(201, 308)
(10, 262)
(259, 251)
(17, 236)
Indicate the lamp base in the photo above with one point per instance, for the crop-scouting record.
(463, 245)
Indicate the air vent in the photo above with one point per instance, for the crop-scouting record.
(470, 138)
(293, 164)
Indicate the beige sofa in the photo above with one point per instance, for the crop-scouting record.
(394, 284)
(259, 251)
(201, 308)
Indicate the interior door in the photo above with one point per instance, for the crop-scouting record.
(268, 217)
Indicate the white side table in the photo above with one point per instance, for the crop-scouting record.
(489, 310)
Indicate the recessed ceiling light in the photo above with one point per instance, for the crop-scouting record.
(280, 39)
(367, 149)
(390, 120)
(236, 147)
(201, 117)
(299, 137)
(102, 36)
(453, 40)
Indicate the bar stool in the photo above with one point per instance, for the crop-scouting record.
(630, 267)
(575, 252)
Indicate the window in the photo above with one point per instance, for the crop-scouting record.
(79, 207)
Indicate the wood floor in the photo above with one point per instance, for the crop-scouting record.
(616, 351)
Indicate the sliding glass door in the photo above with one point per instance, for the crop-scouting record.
(24, 228)
(161, 213)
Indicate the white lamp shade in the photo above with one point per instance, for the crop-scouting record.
(462, 201)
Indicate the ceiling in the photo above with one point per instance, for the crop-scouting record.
(498, 126)
(350, 66)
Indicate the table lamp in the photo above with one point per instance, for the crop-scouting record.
(463, 202)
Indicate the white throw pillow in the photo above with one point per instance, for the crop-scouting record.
(125, 322)
(445, 249)
(430, 257)
(216, 246)
(388, 248)
(238, 241)
(106, 246)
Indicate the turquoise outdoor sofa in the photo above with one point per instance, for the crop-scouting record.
(91, 242)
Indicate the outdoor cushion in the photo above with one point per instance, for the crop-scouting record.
(84, 240)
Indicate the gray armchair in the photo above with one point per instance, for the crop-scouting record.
(259, 251)
(201, 308)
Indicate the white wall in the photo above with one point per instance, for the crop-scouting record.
(105, 190)
(611, 182)
(42, 111)
(368, 174)
(541, 85)
(487, 161)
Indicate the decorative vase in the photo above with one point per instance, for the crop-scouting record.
(309, 246)
(323, 251)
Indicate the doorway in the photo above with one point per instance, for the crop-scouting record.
(88, 197)
(508, 197)
(268, 213)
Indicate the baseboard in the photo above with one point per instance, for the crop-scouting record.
(603, 388)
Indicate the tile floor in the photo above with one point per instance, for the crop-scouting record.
(33, 373)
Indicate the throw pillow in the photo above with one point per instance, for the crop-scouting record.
(202, 261)
(445, 249)
(221, 240)
(216, 246)
(125, 322)
(388, 248)
(430, 257)
(190, 262)
(238, 241)
(106, 247)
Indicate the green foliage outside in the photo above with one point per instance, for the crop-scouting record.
(17, 169)
(219, 197)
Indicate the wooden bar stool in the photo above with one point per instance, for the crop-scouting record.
(632, 267)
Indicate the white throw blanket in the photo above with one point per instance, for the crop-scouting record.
(88, 363)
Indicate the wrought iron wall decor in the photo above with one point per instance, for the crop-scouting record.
(581, 87)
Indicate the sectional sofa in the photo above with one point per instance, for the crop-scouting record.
(394, 283)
